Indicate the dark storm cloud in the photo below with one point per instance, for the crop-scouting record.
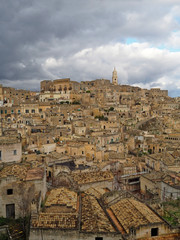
(47, 39)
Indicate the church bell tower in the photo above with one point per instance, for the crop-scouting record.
(114, 77)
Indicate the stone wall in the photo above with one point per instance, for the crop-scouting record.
(145, 231)
(11, 152)
(102, 184)
(49, 234)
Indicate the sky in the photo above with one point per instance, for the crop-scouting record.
(85, 40)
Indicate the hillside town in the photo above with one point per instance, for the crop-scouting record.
(89, 160)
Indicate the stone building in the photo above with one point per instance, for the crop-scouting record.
(166, 186)
(12, 96)
(157, 92)
(72, 215)
(59, 89)
(10, 148)
(19, 185)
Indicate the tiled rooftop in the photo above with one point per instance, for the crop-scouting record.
(130, 213)
(56, 220)
(35, 174)
(89, 177)
(16, 170)
(94, 218)
(165, 157)
(61, 210)
(97, 192)
(63, 197)
(155, 176)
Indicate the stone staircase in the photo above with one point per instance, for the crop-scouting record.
(16, 232)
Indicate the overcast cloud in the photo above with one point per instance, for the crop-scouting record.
(84, 40)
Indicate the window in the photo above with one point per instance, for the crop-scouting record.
(5, 111)
(15, 152)
(27, 111)
(0, 155)
(9, 191)
(1, 111)
(19, 111)
(33, 111)
(12, 111)
(153, 165)
(154, 232)
(47, 141)
(98, 238)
